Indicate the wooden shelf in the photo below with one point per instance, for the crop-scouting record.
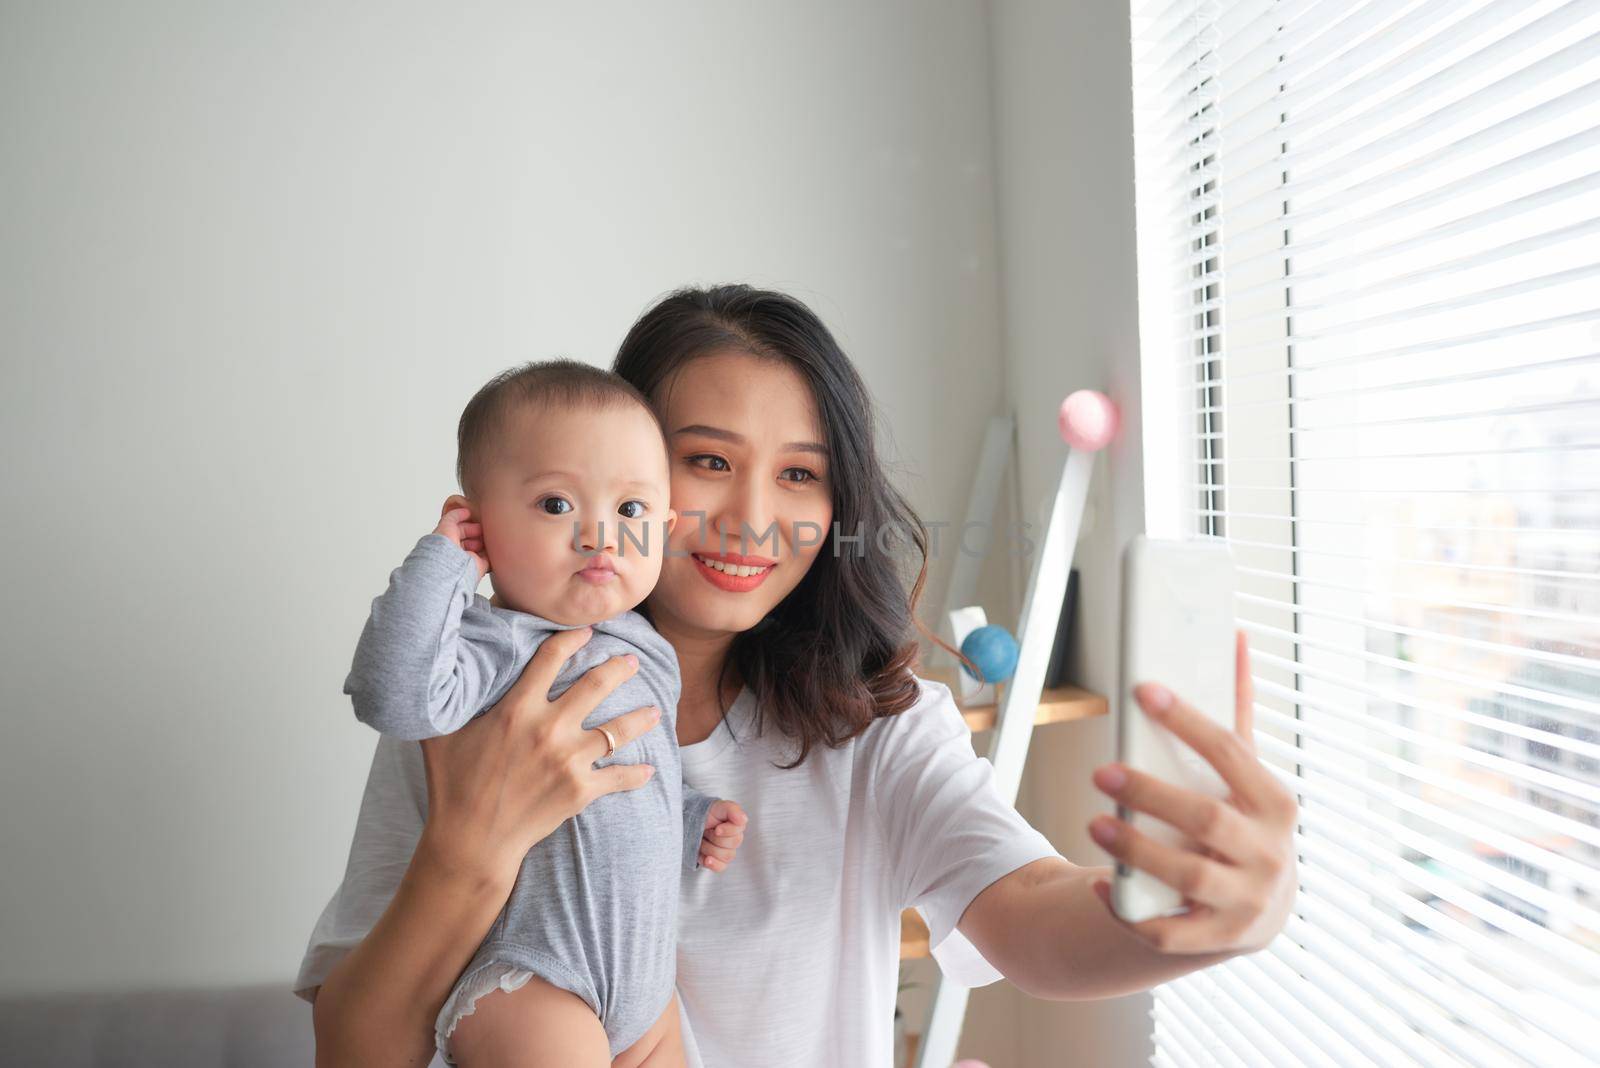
(1058, 705)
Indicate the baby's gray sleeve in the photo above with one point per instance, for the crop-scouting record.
(414, 674)
(695, 807)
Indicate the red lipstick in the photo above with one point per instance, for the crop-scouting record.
(733, 583)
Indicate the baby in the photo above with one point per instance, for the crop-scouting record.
(564, 475)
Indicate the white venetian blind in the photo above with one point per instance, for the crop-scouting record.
(1369, 273)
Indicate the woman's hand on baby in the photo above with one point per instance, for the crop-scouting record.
(725, 823)
(457, 525)
(1240, 889)
(514, 774)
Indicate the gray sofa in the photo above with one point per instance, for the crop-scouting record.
(227, 1027)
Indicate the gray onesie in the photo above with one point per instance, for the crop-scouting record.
(595, 905)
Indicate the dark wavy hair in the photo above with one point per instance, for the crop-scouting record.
(837, 652)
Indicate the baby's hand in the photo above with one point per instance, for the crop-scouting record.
(725, 822)
(457, 525)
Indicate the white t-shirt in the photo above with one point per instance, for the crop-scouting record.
(790, 957)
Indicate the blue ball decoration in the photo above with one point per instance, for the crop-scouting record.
(993, 650)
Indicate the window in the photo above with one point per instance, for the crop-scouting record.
(1369, 281)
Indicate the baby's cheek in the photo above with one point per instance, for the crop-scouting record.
(650, 564)
(641, 582)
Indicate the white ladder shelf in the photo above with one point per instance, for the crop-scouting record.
(1024, 701)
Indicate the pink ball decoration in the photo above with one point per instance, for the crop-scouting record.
(1088, 420)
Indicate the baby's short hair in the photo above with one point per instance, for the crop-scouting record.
(570, 383)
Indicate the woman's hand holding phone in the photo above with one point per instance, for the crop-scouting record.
(1240, 889)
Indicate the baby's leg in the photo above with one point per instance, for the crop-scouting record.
(661, 1046)
(535, 1026)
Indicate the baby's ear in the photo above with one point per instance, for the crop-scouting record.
(454, 501)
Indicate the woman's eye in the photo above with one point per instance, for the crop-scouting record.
(545, 505)
(638, 509)
(710, 456)
(810, 476)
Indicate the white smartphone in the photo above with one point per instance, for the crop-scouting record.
(1177, 629)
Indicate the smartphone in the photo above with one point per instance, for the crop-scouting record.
(1177, 629)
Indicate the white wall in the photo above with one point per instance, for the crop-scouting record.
(253, 260)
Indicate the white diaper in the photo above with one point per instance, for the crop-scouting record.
(464, 999)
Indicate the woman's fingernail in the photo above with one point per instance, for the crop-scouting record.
(1157, 698)
(1103, 831)
(633, 661)
(1110, 777)
(655, 715)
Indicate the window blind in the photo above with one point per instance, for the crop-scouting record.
(1369, 284)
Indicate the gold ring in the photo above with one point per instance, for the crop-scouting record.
(611, 741)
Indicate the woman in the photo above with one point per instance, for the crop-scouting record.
(863, 792)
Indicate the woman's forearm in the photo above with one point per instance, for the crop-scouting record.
(1047, 932)
(378, 1004)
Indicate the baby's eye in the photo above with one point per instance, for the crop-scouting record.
(640, 508)
(544, 505)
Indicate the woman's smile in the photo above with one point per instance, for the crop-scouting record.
(733, 572)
